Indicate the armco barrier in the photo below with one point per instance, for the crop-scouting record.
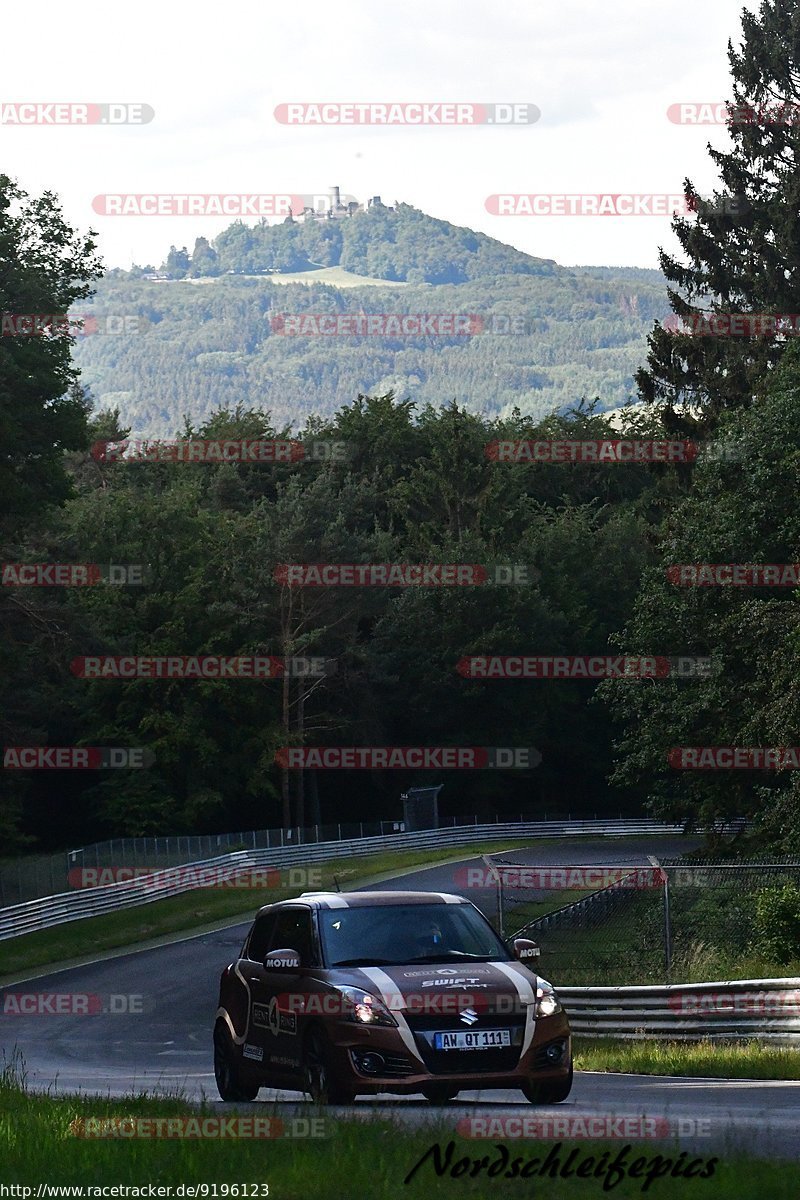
(764, 1009)
(75, 906)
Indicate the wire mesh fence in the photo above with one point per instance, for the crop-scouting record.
(652, 923)
(32, 876)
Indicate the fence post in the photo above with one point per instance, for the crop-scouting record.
(667, 930)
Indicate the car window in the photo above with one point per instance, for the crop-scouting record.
(399, 933)
(292, 931)
(259, 938)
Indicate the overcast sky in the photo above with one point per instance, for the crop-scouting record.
(603, 76)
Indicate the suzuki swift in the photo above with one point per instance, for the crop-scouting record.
(360, 993)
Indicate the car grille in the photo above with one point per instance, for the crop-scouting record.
(457, 1062)
(395, 1066)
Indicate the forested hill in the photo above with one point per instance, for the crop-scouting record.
(402, 245)
(210, 335)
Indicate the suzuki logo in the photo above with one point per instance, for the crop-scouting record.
(469, 1016)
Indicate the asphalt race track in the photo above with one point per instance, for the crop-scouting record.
(155, 1010)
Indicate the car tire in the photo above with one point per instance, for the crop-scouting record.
(318, 1076)
(439, 1093)
(549, 1092)
(226, 1068)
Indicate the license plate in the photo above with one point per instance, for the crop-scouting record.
(484, 1039)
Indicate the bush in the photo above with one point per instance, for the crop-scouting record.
(777, 922)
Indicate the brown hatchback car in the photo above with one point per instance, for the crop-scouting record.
(346, 994)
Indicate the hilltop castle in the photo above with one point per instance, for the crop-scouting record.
(337, 211)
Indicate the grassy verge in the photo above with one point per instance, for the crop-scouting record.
(530, 910)
(202, 907)
(713, 1060)
(369, 1160)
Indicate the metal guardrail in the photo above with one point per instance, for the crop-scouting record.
(763, 1009)
(78, 905)
(605, 899)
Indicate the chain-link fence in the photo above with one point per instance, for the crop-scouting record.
(654, 923)
(32, 876)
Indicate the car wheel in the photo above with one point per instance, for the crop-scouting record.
(439, 1093)
(226, 1069)
(318, 1076)
(550, 1092)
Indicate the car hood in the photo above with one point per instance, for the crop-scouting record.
(494, 987)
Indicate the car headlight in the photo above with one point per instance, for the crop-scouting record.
(364, 1008)
(547, 1002)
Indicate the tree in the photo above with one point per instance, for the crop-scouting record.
(45, 267)
(204, 259)
(751, 634)
(742, 248)
(177, 264)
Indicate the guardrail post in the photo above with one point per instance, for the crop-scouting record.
(667, 928)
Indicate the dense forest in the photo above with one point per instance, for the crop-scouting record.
(190, 344)
(416, 486)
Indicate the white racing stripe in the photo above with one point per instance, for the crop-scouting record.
(526, 994)
(393, 998)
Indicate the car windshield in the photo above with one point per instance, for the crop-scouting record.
(391, 935)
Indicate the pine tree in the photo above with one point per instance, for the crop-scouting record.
(743, 247)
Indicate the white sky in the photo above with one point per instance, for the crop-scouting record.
(603, 76)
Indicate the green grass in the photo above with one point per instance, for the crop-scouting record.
(521, 914)
(714, 1060)
(627, 948)
(200, 908)
(367, 1161)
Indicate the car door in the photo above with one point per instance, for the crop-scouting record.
(279, 991)
(251, 968)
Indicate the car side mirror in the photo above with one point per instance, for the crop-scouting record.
(525, 949)
(282, 960)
